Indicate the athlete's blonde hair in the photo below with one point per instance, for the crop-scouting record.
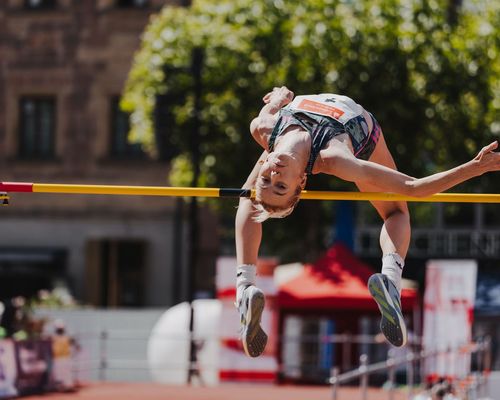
(263, 211)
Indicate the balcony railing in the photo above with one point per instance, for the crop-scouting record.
(436, 243)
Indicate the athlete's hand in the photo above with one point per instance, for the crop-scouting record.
(488, 159)
(280, 96)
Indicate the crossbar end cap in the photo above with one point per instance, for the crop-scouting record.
(4, 198)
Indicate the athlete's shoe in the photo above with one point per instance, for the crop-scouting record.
(386, 295)
(250, 307)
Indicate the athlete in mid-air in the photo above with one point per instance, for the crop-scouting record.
(331, 134)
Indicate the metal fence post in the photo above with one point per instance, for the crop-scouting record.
(475, 384)
(391, 374)
(410, 374)
(363, 361)
(487, 364)
(103, 357)
(346, 352)
(335, 374)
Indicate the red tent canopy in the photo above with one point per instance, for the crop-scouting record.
(337, 280)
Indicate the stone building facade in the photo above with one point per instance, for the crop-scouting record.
(63, 65)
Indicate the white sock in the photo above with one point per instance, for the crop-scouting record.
(245, 276)
(392, 267)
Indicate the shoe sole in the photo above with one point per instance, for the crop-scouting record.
(253, 337)
(392, 324)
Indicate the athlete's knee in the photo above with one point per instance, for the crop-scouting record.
(399, 213)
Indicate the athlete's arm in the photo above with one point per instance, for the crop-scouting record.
(342, 163)
(262, 126)
(248, 232)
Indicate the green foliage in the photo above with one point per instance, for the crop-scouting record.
(433, 86)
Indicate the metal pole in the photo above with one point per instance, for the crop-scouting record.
(480, 368)
(488, 357)
(103, 357)
(480, 357)
(196, 66)
(335, 373)
(410, 374)
(487, 364)
(346, 352)
(391, 373)
(179, 289)
(363, 361)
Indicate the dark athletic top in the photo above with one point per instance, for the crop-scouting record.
(325, 116)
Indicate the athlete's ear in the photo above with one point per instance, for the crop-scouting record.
(303, 181)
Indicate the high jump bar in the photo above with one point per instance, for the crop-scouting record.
(25, 187)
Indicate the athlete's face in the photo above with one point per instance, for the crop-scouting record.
(278, 179)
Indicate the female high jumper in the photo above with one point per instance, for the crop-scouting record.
(331, 134)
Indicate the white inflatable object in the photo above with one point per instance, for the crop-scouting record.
(168, 345)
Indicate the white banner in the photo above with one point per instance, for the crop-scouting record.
(8, 369)
(450, 290)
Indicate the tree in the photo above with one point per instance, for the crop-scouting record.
(434, 87)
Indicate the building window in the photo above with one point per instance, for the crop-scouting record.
(132, 3)
(116, 272)
(40, 4)
(24, 271)
(121, 147)
(37, 127)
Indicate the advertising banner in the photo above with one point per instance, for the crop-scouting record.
(33, 360)
(8, 369)
(450, 289)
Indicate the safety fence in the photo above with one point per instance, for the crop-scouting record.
(119, 351)
(108, 351)
(471, 386)
(119, 354)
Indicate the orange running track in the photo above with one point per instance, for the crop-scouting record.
(144, 391)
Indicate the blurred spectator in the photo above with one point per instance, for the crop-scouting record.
(440, 390)
(62, 372)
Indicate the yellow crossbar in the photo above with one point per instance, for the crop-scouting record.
(305, 195)
(126, 190)
(376, 196)
(228, 192)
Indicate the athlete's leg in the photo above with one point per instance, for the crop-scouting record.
(394, 241)
(395, 233)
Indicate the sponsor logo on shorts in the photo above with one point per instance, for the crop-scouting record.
(320, 108)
